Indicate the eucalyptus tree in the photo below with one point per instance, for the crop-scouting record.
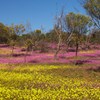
(77, 24)
(51, 37)
(19, 29)
(58, 28)
(4, 33)
(15, 32)
(28, 44)
(93, 9)
(95, 37)
(36, 38)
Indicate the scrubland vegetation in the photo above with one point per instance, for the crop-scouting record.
(62, 64)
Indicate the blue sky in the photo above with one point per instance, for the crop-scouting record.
(37, 12)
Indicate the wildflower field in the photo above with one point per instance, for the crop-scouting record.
(48, 82)
(50, 50)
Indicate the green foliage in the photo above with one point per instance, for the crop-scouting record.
(36, 35)
(95, 37)
(38, 31)
(19, 29)
(28, 44)
(12, 43)
(78, 23)
(52, 36)
(4, 33)
(93, 9)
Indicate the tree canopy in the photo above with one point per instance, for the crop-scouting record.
(93, 9)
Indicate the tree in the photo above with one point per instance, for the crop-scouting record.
(77, 24)
(15, 33)
(58, 27)
(4, 33)
(19, 29)
(28, 44)
(93, 9)
(12, 39)
(36, 38)
(51, 37)
(95, 37)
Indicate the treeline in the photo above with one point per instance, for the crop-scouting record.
(72, 30)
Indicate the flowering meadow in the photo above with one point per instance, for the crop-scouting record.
(86, 57)
(48, 82)
(48, 51)
(42, 77)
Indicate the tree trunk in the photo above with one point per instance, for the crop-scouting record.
(67, 46)
(68, 41)
(57, 51)
(77, 45)
(12, 52)
(25, 60)
(58, 47)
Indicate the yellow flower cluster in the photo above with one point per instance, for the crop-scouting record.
(47, 82)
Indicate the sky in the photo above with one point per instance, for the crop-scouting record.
(39, 13)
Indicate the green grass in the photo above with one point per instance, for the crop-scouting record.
(48, 82)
